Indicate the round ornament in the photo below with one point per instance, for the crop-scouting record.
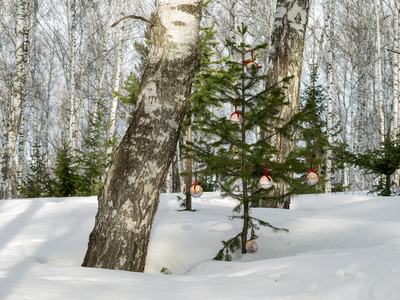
(250, 66)
(312, 178)
(251, 246)
(196, 190)
(236, 117)
(266, 182)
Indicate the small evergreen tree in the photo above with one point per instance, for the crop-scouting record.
(65, 172)
(383, 161)
(131, 86)
(38, 182)
(313, 140)
(235, 153)
(94, 160)
(209, 80)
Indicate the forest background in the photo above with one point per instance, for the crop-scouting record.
(65, 71)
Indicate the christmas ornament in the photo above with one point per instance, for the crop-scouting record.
(312, 176)
(252, 245)
(250, 64)
(236, 117)
(266, 181)
(196, 190)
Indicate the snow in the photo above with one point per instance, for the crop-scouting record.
(340, 246)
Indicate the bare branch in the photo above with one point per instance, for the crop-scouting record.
(133, 17)
(393, 51)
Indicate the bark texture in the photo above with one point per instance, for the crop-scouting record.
(329, 122)
(286, 59)
(130, 196)
(15, 103)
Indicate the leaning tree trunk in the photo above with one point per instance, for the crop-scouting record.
(286, 59)
(130, 196)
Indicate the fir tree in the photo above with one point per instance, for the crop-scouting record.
(131, 86)
(209, 79)
(312, 134)
(65, 172)
(383, 161)
(38, 182)
(94, 160)
(234, 153)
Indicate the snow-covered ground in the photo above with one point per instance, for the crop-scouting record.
(344, 246)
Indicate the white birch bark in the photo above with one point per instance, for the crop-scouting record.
(17, 97)
(21, 148)
(328, 184)
(100, 89)
(286, 59)
(130, 196)
(180, 168)
(72, 128)
(168, 181)
(395, 113)
(352, 129)
(118, 75)
(395, 109)
(380, 86)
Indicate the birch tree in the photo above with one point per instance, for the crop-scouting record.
(129, 199)
(15, 104)
(379, 62)
(328, 185)
(395, 110)
(118, 75)
(72, 86)
(286, 59)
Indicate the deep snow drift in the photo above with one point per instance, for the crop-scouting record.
(344, 246)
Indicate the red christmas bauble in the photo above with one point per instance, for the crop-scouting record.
(236, 117)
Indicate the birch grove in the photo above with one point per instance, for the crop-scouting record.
(76, 57)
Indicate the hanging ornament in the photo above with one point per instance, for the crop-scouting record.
(250, 64)
(252, 245)
(236, 117)
(312, 176)
(266, 181)
(196, 190)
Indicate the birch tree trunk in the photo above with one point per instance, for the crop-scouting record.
(120, 55)
(286, 59)
(352, 129)
(378, 45)
(17, 96)
(328, 184)
(395, 117)
(395, 114)
(129, 199)
(72, 45)
(104, 55)
(21, 148)
(180, 168)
